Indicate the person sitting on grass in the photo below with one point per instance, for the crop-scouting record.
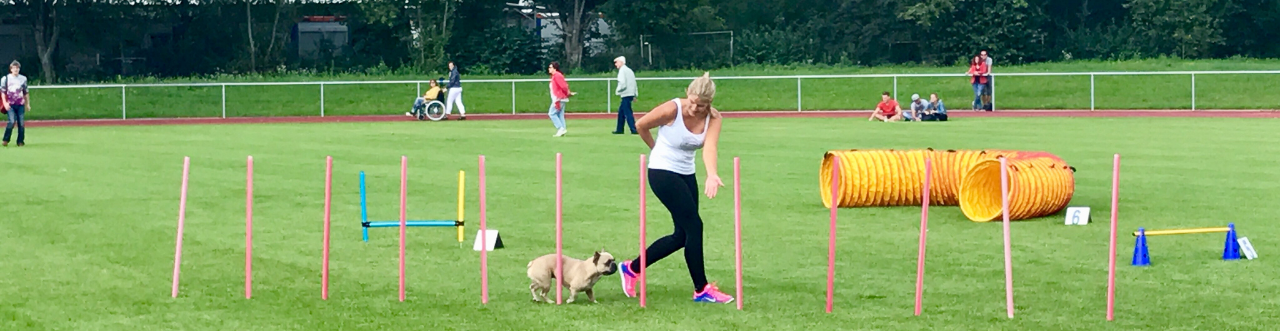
(918, 107)
(888, 110)
(935, 111)
(432, 94)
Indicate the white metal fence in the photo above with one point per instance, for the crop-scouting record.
(1191, 75)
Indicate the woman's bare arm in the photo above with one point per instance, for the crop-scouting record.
(711, 148)
(662, 114)
(710, 158)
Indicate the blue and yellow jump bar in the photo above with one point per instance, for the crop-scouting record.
(365, 224)
(1177, 231)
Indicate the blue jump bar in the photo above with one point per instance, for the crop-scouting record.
(392, 224)
(366, 224)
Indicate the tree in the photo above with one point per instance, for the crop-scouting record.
(1253, 30)
(665, 25)
(281, 6)
(422, 28)
(481, 43)
(1010, 29)
(575, 18)
(433, 31)
(46, 23)
(1185, 28)
(248, 14)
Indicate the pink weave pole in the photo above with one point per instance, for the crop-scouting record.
(1008, 252)
(643, 258)
(404, 183)
(737, 228)
(484, 241)
(182, 215)
(924, 230)
(831, 242)
(248, 231)
(1111, 268)
(559, 256)
(324, 268)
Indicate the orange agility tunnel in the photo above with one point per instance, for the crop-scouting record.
(1040, 183)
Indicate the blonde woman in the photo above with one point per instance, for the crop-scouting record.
(684, 126)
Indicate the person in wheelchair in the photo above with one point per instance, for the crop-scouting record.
(429, 104)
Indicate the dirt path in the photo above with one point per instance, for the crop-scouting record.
(955, 114)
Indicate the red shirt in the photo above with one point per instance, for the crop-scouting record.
(559, 89)
(979, 71)
(888, 108)
(559, 86)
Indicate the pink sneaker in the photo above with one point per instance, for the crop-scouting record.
(712, 294)
(628, 280)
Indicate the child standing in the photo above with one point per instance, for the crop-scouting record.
(14, 100)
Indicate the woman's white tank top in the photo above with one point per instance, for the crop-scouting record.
(676, 147)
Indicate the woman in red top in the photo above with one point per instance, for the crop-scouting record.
(978, 77)
(559, 95)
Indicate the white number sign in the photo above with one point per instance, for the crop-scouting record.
(1077, 216)
(1247, 248)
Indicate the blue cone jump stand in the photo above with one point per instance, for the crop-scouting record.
(1142, 257)
(365, 224)
(1231, 249)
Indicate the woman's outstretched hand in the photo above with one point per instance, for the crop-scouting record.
(713, 185)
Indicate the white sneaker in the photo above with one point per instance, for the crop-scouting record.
(561, 132)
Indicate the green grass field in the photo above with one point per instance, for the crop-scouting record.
(1251, 91)
(90, 215)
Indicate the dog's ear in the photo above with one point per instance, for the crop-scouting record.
(595, 258)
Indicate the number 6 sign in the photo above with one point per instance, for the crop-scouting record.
(1078, 216)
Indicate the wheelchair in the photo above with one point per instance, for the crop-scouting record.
(433, 109)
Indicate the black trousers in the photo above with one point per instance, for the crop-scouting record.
(625, 115)
(679, 193)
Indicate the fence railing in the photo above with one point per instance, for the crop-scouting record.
(1056, 88)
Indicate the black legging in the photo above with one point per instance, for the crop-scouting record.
(679, 193)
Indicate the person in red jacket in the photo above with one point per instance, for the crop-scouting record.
(559, 95)
(978, 77)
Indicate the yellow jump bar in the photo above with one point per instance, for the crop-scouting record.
(1183, 231)
(462, 175)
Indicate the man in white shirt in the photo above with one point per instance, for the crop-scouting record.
(627, 90)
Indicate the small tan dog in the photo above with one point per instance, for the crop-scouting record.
(579, 275)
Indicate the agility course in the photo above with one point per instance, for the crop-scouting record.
(1040, 183)
(838, 180)
(873, 252)
(1003, 166)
